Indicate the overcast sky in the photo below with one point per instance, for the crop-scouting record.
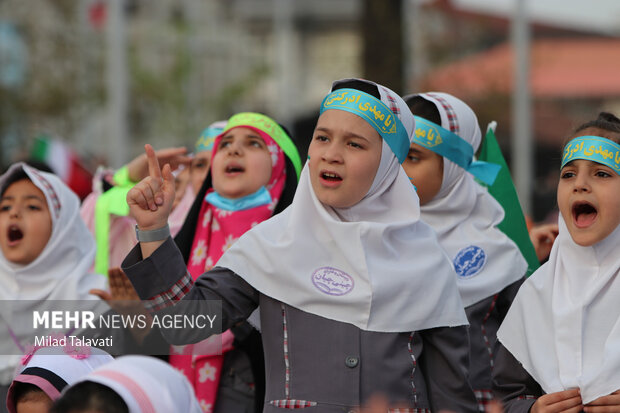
(590, 14)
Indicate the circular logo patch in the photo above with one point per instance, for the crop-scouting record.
(469, 261)
(331, 281)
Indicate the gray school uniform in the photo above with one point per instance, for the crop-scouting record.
(314, 362)
(512, 384)
(484, 318)
(4, 389)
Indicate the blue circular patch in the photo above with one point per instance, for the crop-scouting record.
(469, 261)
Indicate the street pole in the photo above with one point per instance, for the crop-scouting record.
(117, 84)
(285, 59)
(413, 54)
(521, 143)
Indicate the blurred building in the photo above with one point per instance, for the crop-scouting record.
(188, 63)
(573, 76)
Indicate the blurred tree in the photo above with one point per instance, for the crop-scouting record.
(382, 38)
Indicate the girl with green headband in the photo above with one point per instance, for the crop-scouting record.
(356, 296)
(558, 345)
(253, 174)
(489, 266)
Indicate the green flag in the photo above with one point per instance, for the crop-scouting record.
(503, 190)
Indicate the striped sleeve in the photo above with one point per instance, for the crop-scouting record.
(160, 279)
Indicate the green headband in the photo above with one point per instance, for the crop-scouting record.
(271, 128)
(593, 148)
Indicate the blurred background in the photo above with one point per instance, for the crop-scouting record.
(87, 82)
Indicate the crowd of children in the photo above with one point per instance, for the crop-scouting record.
(377, 268)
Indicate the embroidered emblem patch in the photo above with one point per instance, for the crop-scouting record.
(469, 261)
(331, 281)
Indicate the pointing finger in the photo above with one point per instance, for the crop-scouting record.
(151, 158)
(167, 173)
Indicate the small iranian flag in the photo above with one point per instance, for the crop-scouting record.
(64, 162)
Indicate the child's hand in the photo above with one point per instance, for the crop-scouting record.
(121, 288)
(568, 401)
(610, 403)
(150, 200)
(139, 169)
(542, 238)
(124, 299)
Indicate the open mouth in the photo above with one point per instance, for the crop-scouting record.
(233, 168)
(331, 176)
(15, 234)
(584, 214)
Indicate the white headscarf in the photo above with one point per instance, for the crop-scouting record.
(465, 216)
(374, 265)
(55, 369)
(147, 385)
(60, 272)
(564, 324)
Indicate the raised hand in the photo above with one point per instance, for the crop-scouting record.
(150, 200)
(139, 168)
(124, 299)
(121, 289)
(542, 238)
